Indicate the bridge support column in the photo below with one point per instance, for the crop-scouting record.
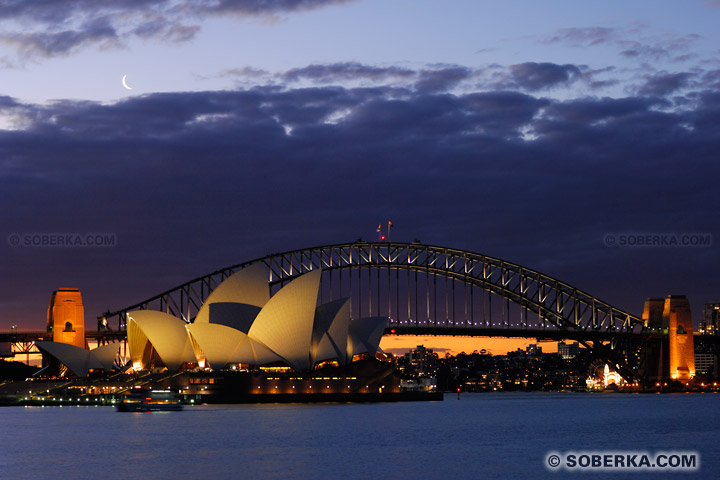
(676, 315)
(66, 317)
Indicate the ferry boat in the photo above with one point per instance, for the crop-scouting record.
(146, 400)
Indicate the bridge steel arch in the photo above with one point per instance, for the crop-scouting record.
(392, 276)
(560, 304)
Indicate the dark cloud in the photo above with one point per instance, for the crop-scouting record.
(49, 44)
(55, 28)
(442, 79)
(427, 80)
(663, 84)
(712, 78)
(245, 71)
(8, 102)
(159, 27)
(343, 72)
(637, 50)
(599, 84)
(634, 42)
(528, 76)
(259, 7)
(589, 111)
(533, 76)
(58, 11)
(190, 182)
(584, 37)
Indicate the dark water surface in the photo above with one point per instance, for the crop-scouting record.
(504, 435)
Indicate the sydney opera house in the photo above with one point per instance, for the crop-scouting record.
(245, 341)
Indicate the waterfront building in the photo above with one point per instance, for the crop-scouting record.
(706, 363)
(424, 384)
(568, 350)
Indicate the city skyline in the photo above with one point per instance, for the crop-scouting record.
(269, 126)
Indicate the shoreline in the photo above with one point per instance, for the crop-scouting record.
(258, 398)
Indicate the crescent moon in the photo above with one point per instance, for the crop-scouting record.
(124, 83)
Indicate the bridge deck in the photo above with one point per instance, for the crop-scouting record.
(39, 335)
(538, 333)
(541, 333)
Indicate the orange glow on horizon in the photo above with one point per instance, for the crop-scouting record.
(400, 344)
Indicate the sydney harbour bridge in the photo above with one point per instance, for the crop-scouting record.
(431, 290)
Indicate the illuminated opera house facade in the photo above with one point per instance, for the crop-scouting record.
(285, 342)
(240, 325)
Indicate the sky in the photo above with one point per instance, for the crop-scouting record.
(555, 135)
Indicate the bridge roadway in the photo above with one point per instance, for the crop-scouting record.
(554, 334)
(23, 342)
(38, 335)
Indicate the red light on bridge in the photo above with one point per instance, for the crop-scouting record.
(392, 330)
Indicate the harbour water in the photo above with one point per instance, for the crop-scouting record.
(503, 435)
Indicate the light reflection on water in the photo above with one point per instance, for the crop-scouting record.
(501, 435)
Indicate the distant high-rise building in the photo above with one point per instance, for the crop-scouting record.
(568, 350)
(420, 361)
(710, 322)
(66, 317)
(677, 317)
